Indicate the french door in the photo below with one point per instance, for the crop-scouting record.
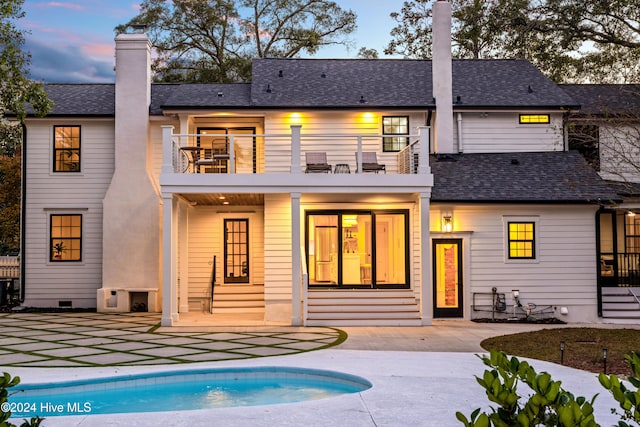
(357, 249)
(447, 278)
(236, 250)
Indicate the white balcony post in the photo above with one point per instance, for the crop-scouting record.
(296, 260)
(359, 159)
(295, 149)
(423, 157)
(167, 149)
(232, 163)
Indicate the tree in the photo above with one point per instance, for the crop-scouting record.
(16, 91)
(569, 40)
(215, 40)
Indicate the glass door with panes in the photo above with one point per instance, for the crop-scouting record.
(236, 251)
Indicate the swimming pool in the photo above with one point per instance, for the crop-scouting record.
(181, 390)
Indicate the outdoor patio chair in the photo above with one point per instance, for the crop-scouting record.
(370, 162)
(317, 162)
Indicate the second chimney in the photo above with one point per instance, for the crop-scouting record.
(441, 75)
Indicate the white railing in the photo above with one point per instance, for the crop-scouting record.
(285, 153)
(9, 267)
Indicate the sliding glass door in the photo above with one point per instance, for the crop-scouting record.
(357, 249)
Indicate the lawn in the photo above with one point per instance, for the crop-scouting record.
(582, 347)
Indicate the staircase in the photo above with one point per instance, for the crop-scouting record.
(238, 299)
(621, 305)
(362, 307)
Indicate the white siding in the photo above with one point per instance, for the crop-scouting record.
(619, 152)
(501, 132)
(277, 248)
(339, 150)
(81, 193)
(564, 273)
(205, 239)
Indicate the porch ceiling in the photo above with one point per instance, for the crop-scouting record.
(219, 199)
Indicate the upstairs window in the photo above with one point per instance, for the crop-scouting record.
(521, 240)
(535, 119)
(65, 236)
(66, 148)
(392, 129)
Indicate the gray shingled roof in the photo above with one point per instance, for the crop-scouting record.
(545, 177)
(337, 83)
(81, 99)
(400, 83)
(212, 95)
(606, 98)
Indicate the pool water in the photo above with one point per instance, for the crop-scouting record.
(181, 390)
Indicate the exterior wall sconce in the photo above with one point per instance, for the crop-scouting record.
(447, 222)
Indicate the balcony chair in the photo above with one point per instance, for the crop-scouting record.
(317, 162)
(370, 162)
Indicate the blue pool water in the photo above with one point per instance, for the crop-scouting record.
(181, 390)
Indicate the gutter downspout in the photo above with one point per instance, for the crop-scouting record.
(23, 208)
(460, 142)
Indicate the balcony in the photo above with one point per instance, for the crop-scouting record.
(246, 163)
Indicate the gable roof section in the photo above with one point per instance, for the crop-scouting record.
(81, 99)
(545, 177)
(602, 99)
(400, 83)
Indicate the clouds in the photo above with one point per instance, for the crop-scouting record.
(64, 63)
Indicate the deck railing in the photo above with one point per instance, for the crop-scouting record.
(9, 267)
(285, 153)
(621, 269)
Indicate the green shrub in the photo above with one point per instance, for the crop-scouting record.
(628, 399)
(550, 404)
(6, 382)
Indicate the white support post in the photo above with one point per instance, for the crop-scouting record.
(359, 165)
(295, 149)
(423, 156)
(426, 294)
(296, 259)
(169, 261)
(167, 149)
(232, 155)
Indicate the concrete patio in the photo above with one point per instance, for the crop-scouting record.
(421, 375)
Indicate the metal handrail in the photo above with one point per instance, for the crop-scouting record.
(305, 284)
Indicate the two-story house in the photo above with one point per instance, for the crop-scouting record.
(324, 192)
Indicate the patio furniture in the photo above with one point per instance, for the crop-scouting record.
(341, 168)
(370, 162)
(317, 162)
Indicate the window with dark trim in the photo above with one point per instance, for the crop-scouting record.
(392, 129)
(65, 238)
(66, 148)
(522, 240)
(534, 119)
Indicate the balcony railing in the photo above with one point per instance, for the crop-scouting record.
(286, 153)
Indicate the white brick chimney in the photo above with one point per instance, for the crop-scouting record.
(442, 80)
(131, 207)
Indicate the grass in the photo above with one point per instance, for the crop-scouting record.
(583, 347)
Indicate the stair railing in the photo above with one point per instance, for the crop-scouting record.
(213, 281)
(304, 284)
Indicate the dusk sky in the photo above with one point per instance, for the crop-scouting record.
(72, 40)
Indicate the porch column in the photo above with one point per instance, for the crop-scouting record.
(426, 285)
(169, 260)
(295, 149)
(296, 259)
(183, 243)
(423, 157)
(167, 149)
